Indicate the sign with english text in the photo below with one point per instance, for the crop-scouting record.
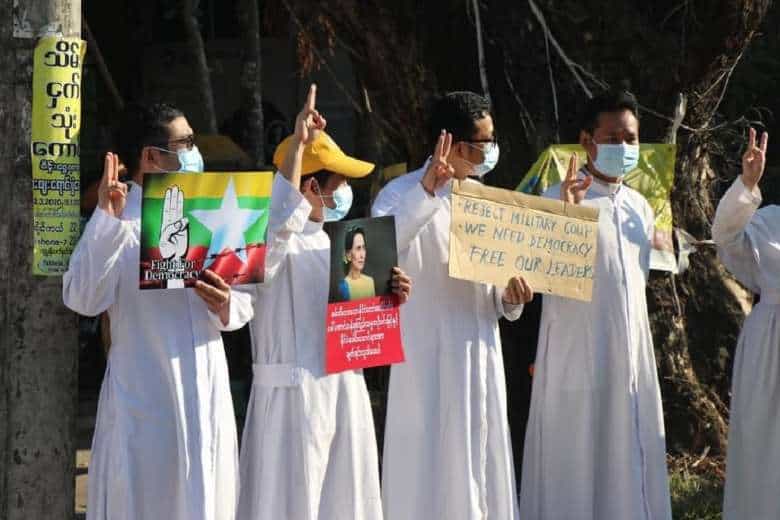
(496, 234)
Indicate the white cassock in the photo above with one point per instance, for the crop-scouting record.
(309, 449)
(749, 245)
(165, 440)
(595, 446)
(447, 454)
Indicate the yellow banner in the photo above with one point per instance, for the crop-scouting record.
(56, 120)
(653, 178)
(496, 234)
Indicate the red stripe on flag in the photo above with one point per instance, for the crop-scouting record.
(227, 265)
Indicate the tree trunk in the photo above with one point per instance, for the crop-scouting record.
(202, 74)
(38, 335)
(253, 136)
(654, 49)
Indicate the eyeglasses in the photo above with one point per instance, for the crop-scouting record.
(185, 143)
(487, 145)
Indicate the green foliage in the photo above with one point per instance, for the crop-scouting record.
(695, 497)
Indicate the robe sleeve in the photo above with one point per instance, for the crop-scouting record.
(90, 283)
(241, 311)
(729, 231)
(412, 208)
(503, 309)
(289, 212)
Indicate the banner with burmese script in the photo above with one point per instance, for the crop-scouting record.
(196, 221)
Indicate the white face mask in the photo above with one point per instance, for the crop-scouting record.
(343, 197)
(616, 160)
(491, 154)
(189, 160)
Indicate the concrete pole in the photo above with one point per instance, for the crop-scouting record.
(38, 336)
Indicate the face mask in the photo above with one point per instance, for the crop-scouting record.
(343, 199)
(189, 160)
(491, 153)
(616, 160)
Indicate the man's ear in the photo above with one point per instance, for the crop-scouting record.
(310, 184)
(586, 140)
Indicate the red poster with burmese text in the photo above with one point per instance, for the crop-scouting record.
(363, 326)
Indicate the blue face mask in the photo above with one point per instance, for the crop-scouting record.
(491, 153)
(190, 160)
(343, 199)
(616, 160)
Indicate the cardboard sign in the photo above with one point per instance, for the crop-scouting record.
(56, 164)
(196, 221)
(363, 321)
(496, 234)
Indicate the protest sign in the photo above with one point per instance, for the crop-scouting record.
(56, 121)
(496, 234)
(196, 221)
(653, 178)
(363, 321)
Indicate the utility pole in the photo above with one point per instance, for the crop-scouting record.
(38, 335)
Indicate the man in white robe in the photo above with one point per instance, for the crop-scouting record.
(165, 441)
(309, 449)
(595, 443)
(748, 242)
(448, 452)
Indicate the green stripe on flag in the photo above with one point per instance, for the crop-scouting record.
(199, 234)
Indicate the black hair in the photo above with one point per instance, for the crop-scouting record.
(349, 241)
(457, 112)
(607, 102)
(143, 125)
(321, 176)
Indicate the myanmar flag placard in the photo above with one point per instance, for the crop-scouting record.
(196, 221)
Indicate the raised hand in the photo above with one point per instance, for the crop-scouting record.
(401, 284)
(439, 170)
(754, 160)
(112, 194)
(174, 227)
(309, 122)
(517, 291)
(573, 190)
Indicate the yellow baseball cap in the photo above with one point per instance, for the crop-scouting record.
(325, 154)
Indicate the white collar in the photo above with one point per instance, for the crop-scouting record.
(133, 202)
(601, 187)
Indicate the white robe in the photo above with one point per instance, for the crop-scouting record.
(595, 443)
(448, 453)
(309, 449)
(165, 440)
(749, 245)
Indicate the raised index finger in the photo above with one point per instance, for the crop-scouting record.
(439, 146)
(311, 99)
(571, 172)
(751, 139)
(445, 152)
(107, 165)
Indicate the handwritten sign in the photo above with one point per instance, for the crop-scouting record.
(56, 120)
(496, 234)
